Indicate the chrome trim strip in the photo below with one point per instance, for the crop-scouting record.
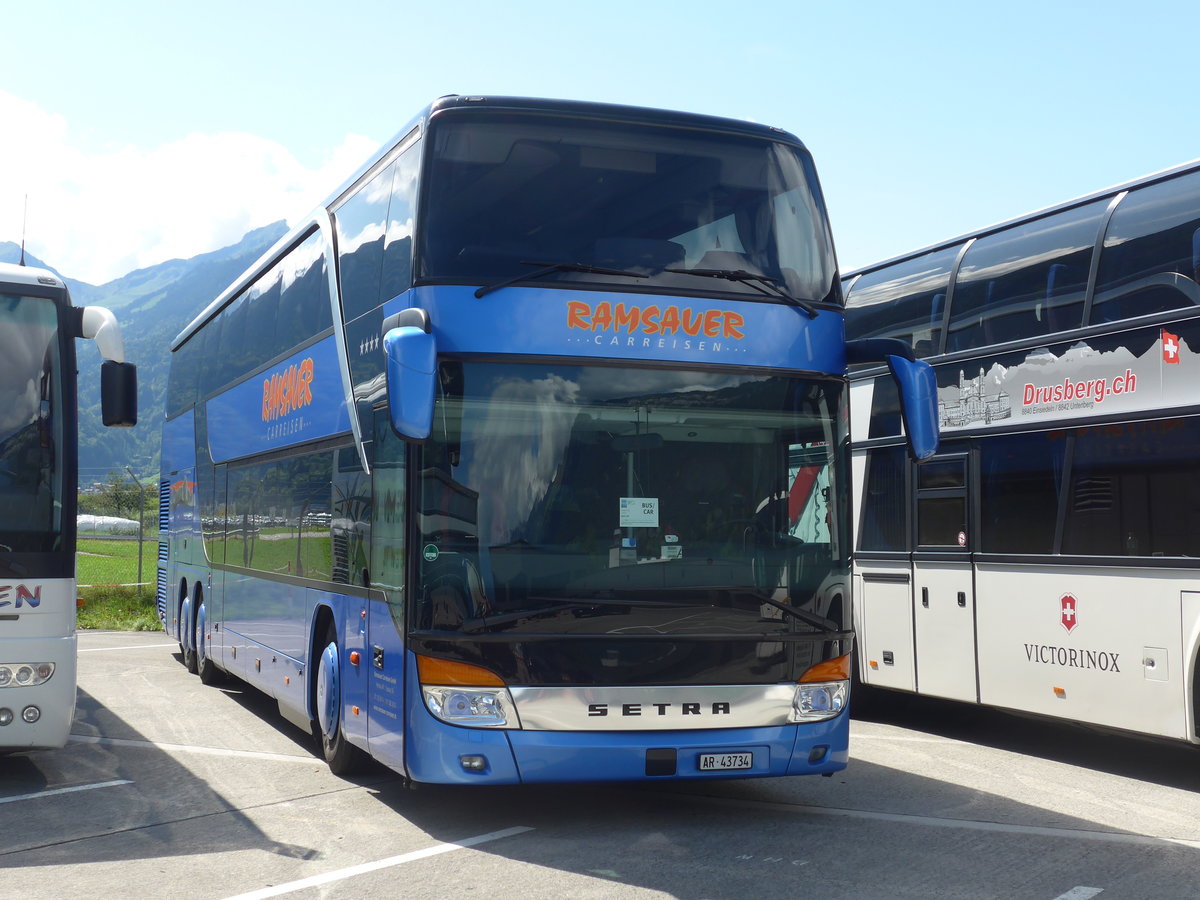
(668, 708)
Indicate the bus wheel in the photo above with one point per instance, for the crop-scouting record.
(205, 667)
(187, 639)
(343, 757)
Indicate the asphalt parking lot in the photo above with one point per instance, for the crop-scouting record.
(172, 789)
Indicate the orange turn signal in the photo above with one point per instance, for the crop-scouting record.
(445, 671)
(830, 670)
(355, 657)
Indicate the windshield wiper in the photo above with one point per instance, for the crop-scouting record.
(548, 268)
(764, 284)
(822, 624)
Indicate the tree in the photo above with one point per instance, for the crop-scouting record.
(120, 497)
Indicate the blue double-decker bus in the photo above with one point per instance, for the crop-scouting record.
(524, 458)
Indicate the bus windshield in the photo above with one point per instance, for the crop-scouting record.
(586, 499)
(572, 201)
(30, 436)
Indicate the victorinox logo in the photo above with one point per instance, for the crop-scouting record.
(1069, 612)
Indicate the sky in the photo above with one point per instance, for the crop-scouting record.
(134, 132)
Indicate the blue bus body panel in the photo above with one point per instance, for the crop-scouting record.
(547, 756)
(299, 399)
(388, 669)
(435, 750)
(352, 638)
(541, 322)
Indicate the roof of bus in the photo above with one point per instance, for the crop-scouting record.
(1145, 180)
(588, 109)
(11, 273)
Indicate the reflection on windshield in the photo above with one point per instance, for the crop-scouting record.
(29, 520)
(632, 206)
(555, 487)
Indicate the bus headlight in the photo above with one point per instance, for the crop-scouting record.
(25, 674)
(465, 694)
(817, 702)
(472, 707)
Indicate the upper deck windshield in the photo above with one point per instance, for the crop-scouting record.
(653, 208)
(562, 499)
(30, 425)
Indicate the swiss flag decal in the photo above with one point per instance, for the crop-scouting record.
(1170, 345)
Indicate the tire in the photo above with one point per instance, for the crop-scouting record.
(205, 667)
(187, 636)
(342, 756)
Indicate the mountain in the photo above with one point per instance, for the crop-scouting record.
(152, 305)
(80, 291)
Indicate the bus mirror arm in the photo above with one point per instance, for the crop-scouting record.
(410, 353)
(100, 325)
(118, 378)
(877, 350)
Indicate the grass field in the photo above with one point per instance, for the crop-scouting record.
(99, 561)
(117, 609)
(107, 571)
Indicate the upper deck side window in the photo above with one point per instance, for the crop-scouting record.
(905, 301)
(1150, 261)
(374, 235)
(1024, 281)
(281, 309)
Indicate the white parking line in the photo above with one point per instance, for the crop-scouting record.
(191, 748)
(364, 868)
(130, 647)
(1080, 893)
(67, 790)
(902, 738)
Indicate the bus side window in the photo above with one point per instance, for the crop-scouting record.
(361, 225)
(885, 501)
(1025, 281)
(905, 302)
(1151, 252)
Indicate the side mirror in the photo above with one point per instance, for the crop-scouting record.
(411, 355)
(918, 404)
(918, 389)
(118, 394)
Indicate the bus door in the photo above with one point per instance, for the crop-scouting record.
(384, 647)
(943, 583)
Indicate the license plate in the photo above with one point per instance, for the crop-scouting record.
(710, 762)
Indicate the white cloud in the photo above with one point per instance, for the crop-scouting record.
(98, 215)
